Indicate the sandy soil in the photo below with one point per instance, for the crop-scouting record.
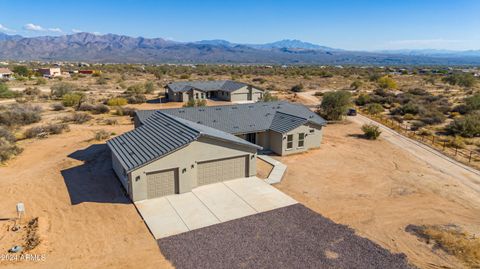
(378, 188)
(263, 169)
(85, 220)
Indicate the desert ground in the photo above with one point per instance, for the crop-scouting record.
(379, 189)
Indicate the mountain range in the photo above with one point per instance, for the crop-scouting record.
(113, 48)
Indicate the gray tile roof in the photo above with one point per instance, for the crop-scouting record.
(244, 118)
(283, 123)
(224, 85)
(162, 134)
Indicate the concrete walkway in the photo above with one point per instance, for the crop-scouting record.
(210, 204)
(278, 170)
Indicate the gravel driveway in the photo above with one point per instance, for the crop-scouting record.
(289, 237)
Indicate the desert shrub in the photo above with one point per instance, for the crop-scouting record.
(101, 80)
(125, 111)
(192, 103)
(416, 125)
(387, 82)
(408, 116)
(136, 99)
(424, 132)
(356, 84)
(101, 135)
(135, 89)
(41, 81)
(78, 118)
(32, 91)
(110, 122)
(100, 109)
(461, 109)
(60, 89)
(149, 87)
(17, 114)
(73, 99)
(184, 76)
(456, 142)
(318, 93)
(117, 101)
(8, 149)
(85, 107)
(268, 97)
(45, 130)
(472, 103)
(374, 108)
(57, 107)
(418, 91)
(408, 108)
(467, 126)
(461, 79)
(5, 92)
(6, 134)
(432, 116)
(335, 104)
(371, 131)
(362, 99)
(297, 88)
(259, 80)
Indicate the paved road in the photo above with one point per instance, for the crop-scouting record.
(470, 177)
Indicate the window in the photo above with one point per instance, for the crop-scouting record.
(203, 95)
(289, 141)
(196, 95)
(301, 140)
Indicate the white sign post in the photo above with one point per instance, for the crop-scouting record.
(20, 211)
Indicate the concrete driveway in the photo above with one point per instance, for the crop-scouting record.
(210, 204)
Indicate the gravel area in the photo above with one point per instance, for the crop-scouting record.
(289, 237)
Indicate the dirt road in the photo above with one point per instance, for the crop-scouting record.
(465, 175)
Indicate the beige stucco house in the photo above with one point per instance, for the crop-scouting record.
(171, 151)
(225, 90)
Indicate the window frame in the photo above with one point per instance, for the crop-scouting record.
(301, 140)
(291, 142)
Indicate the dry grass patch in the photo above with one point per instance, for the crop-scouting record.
(453, 240)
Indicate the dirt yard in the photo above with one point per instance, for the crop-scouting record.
(84, 218)
(378, 189)
(263, 169)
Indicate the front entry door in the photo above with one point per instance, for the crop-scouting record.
(252, 138)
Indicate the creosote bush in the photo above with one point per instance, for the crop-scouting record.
(19, 114)
(117, 101)
(78, 118)
(125, 111)
(101, 135)
(45, 130)
(371, 131)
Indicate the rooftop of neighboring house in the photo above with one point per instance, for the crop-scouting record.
(278, 116)
(206, 86)
(5, 70)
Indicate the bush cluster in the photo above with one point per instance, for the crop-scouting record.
(78, 118)
(19, 114)
(45, 130)
(371, 131)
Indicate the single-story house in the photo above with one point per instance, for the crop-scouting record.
(225, 90)
(5, 73)
(50, 72)
(171, 151)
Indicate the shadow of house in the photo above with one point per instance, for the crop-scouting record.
(94, 180)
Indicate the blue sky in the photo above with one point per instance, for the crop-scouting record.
(354, 25)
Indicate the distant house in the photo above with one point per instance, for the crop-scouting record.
(50, 72)
(85, 72)
(225, 90)
(5, 73)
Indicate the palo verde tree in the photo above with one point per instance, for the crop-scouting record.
(335, 104)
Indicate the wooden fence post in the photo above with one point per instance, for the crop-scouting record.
(470, 156)
(444, 144)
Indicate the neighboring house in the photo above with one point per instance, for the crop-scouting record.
(226, 90)
(50, 72)
(174, 150)
(5, 73)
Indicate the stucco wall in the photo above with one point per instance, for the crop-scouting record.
(175, 96)
(242, 94)
(186, 160)
(119, 170)
(313, 139)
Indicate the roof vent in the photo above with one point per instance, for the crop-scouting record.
(235, 127)
(199, 122)
(268, 114)
(218, 108)
(234, 107)
(214, 120)
(250, 106)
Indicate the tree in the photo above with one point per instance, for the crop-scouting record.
(21, 71)
(335, 104)
(371, 131)
(149, 87)
(73, 99)
(5, 92)
(387, 82)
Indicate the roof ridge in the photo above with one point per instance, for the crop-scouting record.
(179, 122)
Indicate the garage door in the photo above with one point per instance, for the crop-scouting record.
(222, 169)
(161, 183)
